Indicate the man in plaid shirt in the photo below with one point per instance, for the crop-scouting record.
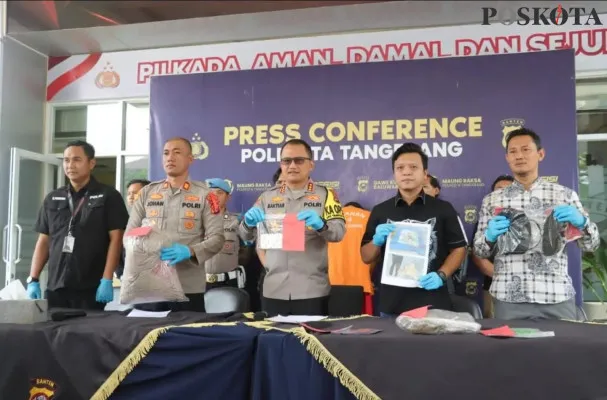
(532, 284)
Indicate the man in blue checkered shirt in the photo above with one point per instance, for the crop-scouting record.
(531, 283)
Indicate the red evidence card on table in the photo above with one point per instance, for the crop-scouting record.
(293, 233)
(141, 231)
(420, 312)
(502, 331)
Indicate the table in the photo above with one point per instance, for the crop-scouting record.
(398, 365)
(220, 358)
(77, 355)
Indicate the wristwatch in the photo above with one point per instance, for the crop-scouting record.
(31, 279)
(442, 275)
(324, 226)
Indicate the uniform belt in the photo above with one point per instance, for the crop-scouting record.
(213, 278)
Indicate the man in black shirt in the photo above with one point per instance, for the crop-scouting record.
(80, 230)
(448, 240)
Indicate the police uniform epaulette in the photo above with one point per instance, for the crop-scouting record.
(200, 184)
(156, 182)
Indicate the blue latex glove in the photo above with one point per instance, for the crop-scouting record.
(176, 253)
(431, 281)
(33, 290)
(497, 226)
(105, 291)
(254, 216)
(311, 218)
(381, 234)
(568, 213)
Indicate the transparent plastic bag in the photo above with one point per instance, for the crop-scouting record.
(437, 322)
(146, 278)
(536, 231)
(269, 232)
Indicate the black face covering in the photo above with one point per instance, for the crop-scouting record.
(525, 234)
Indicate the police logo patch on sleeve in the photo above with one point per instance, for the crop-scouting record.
(213, 202)
(333, 208)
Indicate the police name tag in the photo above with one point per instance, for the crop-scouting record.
(68, 244)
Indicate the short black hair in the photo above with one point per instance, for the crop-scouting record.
(88, 148)
(354, 204)
(298, 142)
(142, 182)
(525, 132)
(180, 139)
(410, 147)
(276, 176)
(434, 182)
(500, 178)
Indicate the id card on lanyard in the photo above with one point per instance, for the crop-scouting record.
(69, 241)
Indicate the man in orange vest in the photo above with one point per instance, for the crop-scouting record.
(346, 267)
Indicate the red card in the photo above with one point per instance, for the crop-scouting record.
(502, 331)
(417, 312)
(141, 231)
(293, 233)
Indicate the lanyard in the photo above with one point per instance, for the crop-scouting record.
(74, 212)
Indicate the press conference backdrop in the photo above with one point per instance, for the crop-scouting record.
(354, 116)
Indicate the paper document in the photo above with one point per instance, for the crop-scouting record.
(296, 319)
(293, 234)
(407, 253)
(148, 314)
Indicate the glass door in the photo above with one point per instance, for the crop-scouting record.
(32, 176)
(592, 160)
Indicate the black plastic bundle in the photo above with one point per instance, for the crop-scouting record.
(552, 241)
(518, 239)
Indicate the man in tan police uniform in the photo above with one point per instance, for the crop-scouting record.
(297, 283)
(189, 212)
(226, 267)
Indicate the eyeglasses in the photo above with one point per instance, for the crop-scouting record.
(297, 160)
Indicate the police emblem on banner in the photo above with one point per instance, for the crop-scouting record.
(107, 78)
(200, 150)
(471, 288)
(363, 184)
(509, 125)
(42, 389)
(470, 214)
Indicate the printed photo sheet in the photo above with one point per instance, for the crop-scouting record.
(269, 232)
(406, 257)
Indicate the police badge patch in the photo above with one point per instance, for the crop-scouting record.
(42, 389)
(213, 202)
(200, 150)
(509, 125)
(363, 184)
(471, 288)
(470, 214)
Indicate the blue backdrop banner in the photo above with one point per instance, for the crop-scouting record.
(354, 116)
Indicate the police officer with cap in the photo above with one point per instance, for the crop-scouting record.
(190, 213)
(80, 229)
(225, 268)
(297, 283)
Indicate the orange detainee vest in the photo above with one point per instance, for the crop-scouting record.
(345, 265)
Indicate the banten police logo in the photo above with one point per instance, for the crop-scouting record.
(509, 125)
(470, 214)
(363, 183)
(471, 288)
(42, 389)
(200, 150)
